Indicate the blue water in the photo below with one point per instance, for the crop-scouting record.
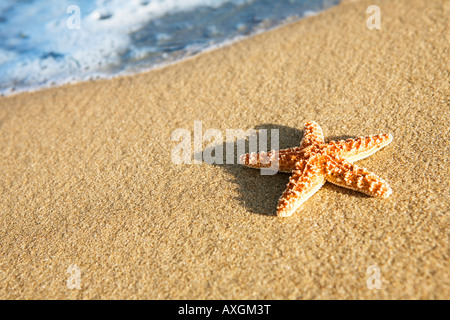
(47, 43)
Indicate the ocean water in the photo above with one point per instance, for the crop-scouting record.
(53, 42)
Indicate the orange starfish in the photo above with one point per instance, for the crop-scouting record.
(315, 161)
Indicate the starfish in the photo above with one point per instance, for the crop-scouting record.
(315, 162)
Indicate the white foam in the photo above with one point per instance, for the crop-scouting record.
(55, 53)
(39, 50)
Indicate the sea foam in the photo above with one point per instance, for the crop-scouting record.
(42, 44)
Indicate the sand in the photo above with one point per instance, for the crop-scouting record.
(87, 183)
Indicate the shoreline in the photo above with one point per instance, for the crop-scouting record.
(87, 182)
(129, 73)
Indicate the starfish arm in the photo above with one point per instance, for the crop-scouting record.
(351, 176)
(306, 179)
(287, 158)
(312, 135)
(357, 149)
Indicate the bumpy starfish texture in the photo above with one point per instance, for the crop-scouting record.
(315, 162)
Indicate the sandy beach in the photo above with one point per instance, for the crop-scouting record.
(88, 188)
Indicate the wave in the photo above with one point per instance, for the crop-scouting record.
(55, 42)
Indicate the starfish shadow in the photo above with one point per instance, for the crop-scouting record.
(260, 193)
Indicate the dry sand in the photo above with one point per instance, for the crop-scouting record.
(87, 179)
